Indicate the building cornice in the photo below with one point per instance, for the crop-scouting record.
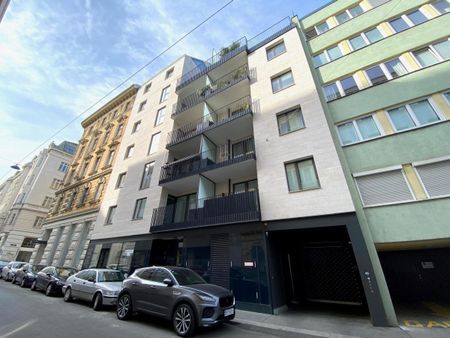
(84, 181)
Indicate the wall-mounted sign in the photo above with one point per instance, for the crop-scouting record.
(427, 265)
(250, 264)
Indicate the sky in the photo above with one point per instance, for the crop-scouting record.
(59, 57)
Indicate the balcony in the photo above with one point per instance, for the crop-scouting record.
(219, 210)
(226, 114)
(215, 61)
(221, 84)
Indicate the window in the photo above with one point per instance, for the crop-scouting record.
(435, 178)
(28, 242)
(310, 33)
(398, 25)
(302, 175)
(121, 180)
(127, 106)
(276, 50)
(136, 127)
(110, 157)
(11, 219)
(110, 214)
(322, 28)
(383, 188)
(320, 59)
(56, 184)
(105, 140)
(93, 144)
(443, 49)
(357, 42)
(142, 106)
(20, 198)
(160, 116)
(147, 175)
(282, 81)
(426, 57)
(99, 191)
(63, 167)
(355, 11)
(47, 201)
(447, 97)
(169, 73)
(290, 121)
(119, 130)
(38, 222)
(342, 17)
(147, 87)
(71, 200)
(242, 148)
(412, 115)
(139, 208)
(395, 68)
(165, 94)
(84, 170)
(97, 163)
(376, 75)
(154, 143)
(245, 186)
(349, 85)
(334, 53)
(331, 92)
(84, 195)
(442, 6)
(361, 129)
(129, 151)
(416, 17)
(373, 35)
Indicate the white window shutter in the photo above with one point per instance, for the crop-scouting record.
(436, 178)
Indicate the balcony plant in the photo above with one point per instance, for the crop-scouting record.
(225, 50)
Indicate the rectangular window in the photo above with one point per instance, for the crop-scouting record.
(169, 73)
(349, 85)
(105, 140)
(376, 75)
(136, 127)
(342, 17)
(290, 121)
(84, 195)
(412, 115)
(99, 191)
(426, 57)
(121, 180)
(383, 188)
(147, 87)
(160, 115)
(396, 68)
(165, 94)
(443, 49)
(63, 166)
(399, 25)
(320, 59)
(129, 151)
(110, 157)
(358, 130)
(447, 97)
(96, 163)
(142, 106)
(355, 11)
(334, 53)
(302, 175)
(38, 222)
(47, 201)
(310, 33)
(154, 143)
(331, 92)
(357, 42)
(127, 106)
(119, 131)
(282, 81)
(435, 178)
(147, 175)
(322, 28)
(139, 209)
(110, 214)
(416, 17)
(442, 6)
(373, 35)
(276, 50)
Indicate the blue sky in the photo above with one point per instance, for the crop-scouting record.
(58, 57)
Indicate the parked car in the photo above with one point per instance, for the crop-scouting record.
(2, 265)
(27, 274)
(177, 294)
(10, 269)
(99, 286)
(51, 279)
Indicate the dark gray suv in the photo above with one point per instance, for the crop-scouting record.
(177, 294)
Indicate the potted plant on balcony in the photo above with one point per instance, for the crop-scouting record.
(225, 50)
(205, 90)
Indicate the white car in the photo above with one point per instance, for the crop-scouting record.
(9, 270)
(99, 286)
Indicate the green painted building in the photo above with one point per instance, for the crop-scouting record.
(383, 71)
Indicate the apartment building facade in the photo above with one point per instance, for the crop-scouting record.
(382, 68)
(66, 230)
(33, 197)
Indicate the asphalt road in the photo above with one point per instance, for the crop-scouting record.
(26, 313)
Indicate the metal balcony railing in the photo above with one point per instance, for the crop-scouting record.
(226, 81)
(231, 111)
(225, 209)
(216, 60)
(207, 160)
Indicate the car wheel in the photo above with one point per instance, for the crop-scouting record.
(184, 320)
(7, 277)
(124, 310)
(98, 302)
(23, 283)
(48, 290)
(68, 295)
(13, 280)
(33, 286)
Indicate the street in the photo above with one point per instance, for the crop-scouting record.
(24, 313)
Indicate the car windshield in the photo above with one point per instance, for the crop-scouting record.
(37, 268)
(187, 277)
(110, 276)
(65, 272)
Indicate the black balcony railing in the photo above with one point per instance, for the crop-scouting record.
(226, 81)
(216, 60)
(216, 118)
(222, 156)
(226, 209)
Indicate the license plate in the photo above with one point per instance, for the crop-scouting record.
(228, 312)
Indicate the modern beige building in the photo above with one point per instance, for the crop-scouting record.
(67, 230)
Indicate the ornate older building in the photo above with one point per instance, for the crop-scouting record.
(66, 231)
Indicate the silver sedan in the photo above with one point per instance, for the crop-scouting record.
(98, 286)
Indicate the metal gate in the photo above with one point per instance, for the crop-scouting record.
(220, 260)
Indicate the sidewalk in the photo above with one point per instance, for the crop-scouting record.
(332, 325)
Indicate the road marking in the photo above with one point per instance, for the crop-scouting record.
(19, 328)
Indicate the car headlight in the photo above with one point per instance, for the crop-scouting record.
(205, 298)
(111, 293)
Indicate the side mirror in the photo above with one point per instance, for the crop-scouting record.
(92, 280)
(49, 274)
(168, 281)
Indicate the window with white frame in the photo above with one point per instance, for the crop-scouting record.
(376, 75)
(302, 175)
(276, 50)
(38, 222)
(97, 163)
(357, 42)
(416, 17)
(331, 91)
(160, 115)
(99, 190)
(399, 24)
(121, 180)
(447, 97)
(435, 177)
(442, 6)
(361, 129)
(165, 94)
(119, 130)
(63, 166)
(383, 188)
(142, 106)
(290, 121)
(110, 215)
(47, 201)
(442, 49)
(395, 68)
(154, 143)
(342, 17)
(110, 157)
(349, 85)
(322, 28)
(129, 151)
(147, 175)
(136, 126)
(320, 59)
(282, 81)
(373, 35)
(105, 139)
(334, 53)
(412, 115)
(139, 209)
